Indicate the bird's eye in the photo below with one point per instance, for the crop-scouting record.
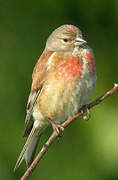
(65, 40)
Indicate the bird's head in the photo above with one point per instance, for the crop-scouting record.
(65, 38)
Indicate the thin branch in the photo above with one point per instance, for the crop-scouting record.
(65, 124)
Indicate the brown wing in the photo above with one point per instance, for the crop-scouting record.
(38, 78)
(40, 69)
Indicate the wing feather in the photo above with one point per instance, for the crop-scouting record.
(30, 107)
(38, 78)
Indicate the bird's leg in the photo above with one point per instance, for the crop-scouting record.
(84, 116)
(56, 127)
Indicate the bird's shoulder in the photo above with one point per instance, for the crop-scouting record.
(40, 69)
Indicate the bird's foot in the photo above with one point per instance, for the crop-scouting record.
(56, 127)
(88, 115)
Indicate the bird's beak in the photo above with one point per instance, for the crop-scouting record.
(80, 41)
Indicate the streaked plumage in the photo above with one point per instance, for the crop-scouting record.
(63, 81)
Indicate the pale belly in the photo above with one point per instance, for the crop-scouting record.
(61, 100)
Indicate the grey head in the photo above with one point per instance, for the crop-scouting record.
(65, 38)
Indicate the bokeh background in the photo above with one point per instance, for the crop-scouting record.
(88, 150)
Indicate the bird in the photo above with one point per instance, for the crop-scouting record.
(63, 81)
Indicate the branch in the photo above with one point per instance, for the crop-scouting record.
(65, 124)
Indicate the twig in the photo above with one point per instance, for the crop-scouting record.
(65, 124)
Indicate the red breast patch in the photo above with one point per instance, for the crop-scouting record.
(90, 61)
(71, 67)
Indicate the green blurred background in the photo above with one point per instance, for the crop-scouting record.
(88, 150)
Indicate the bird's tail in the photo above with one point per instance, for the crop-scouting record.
(29, 149)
